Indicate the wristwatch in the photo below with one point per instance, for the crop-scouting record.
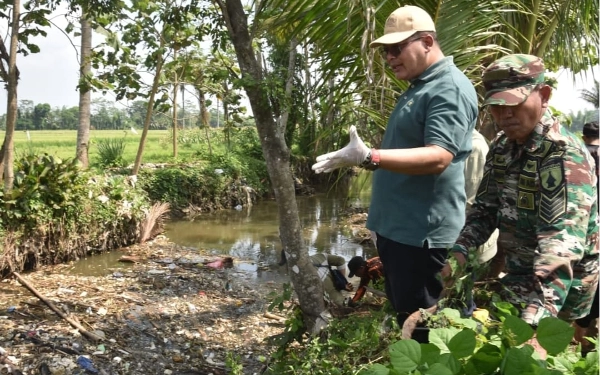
(372, 160)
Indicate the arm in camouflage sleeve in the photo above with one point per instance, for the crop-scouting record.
(567, 197)
(482, 217)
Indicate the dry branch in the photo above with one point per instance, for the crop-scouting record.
(89, 335)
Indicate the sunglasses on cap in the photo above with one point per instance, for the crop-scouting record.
(396, 49)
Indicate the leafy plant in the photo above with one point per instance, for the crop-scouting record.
(466, 347)
(110, 152)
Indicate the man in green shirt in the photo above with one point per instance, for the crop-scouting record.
(418, 197)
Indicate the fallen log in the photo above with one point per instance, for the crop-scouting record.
(89, 335)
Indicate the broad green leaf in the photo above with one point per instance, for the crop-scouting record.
(463, 344)
(506, 309)
(516, 331)
(554, 335)
(440, 337)
(451, 314)
(518, 361)
(437, 369)
(563, 364)
(487, 359)
(376, 369)
(429, 354)
(450, 362)
(591, 360)
(405, 355)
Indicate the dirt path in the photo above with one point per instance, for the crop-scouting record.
(169, 313)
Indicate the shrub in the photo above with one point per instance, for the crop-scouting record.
(110, 152)
(57, 212)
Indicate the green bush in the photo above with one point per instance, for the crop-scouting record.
(110, 152)
(57, 212)
(468, 346)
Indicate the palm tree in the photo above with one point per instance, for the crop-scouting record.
(475, 32)
(591, 96)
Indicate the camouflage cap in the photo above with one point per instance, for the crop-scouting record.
(510, 79)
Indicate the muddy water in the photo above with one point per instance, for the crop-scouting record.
(252, 233)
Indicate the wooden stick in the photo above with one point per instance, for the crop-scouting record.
(12, 369)
(274, 317)
(89, 335)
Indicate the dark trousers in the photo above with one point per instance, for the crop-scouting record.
(412, 275)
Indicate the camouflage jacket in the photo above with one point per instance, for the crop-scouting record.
(542, 197)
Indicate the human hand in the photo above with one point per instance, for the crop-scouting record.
(349, 287)
(354, 153)
(351, 303)
(537, 347)
(446, 273)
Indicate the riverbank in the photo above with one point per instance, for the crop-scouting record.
(174, 311)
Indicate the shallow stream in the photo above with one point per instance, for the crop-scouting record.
(251, 235)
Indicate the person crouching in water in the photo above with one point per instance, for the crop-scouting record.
(323, 262)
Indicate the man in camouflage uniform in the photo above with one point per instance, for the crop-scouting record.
(539, 190)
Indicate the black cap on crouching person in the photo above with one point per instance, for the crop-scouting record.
(590, 129)
(354, 264)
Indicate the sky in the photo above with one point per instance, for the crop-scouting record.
(51, 76)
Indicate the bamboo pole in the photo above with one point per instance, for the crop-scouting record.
(89, 335)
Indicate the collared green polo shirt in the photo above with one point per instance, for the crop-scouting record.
(439, 108)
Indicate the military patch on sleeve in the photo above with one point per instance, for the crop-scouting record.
(552, 177)
(553, 206)
(553, 197)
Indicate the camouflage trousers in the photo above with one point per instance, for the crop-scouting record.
(526, 290)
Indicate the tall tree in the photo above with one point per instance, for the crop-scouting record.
(139, 41)
(591, 95)
(85, 69)
(11, 103)
(22, 27)
(277, 156)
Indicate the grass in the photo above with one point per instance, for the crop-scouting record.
(62, 144)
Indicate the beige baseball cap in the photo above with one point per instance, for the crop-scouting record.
(402, 23)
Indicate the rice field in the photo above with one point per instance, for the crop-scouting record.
(62, 144)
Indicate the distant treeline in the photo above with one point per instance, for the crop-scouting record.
(581, 117)
(105, 116)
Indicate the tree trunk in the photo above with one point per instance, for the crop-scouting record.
(11, 102)
(289, 86)
(306, 282)
(205, 117)
(159, 65)
(83, 131)
(175, 90)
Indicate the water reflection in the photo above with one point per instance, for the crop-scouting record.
(253, 234)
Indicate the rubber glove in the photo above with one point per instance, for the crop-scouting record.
(355, 153)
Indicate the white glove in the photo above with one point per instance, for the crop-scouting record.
(353, 154)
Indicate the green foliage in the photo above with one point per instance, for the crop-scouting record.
(57, 212)
(463, 346)
(110, 152)
(220, 179)
(233, 363)
(344, 348)
(45, 188)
